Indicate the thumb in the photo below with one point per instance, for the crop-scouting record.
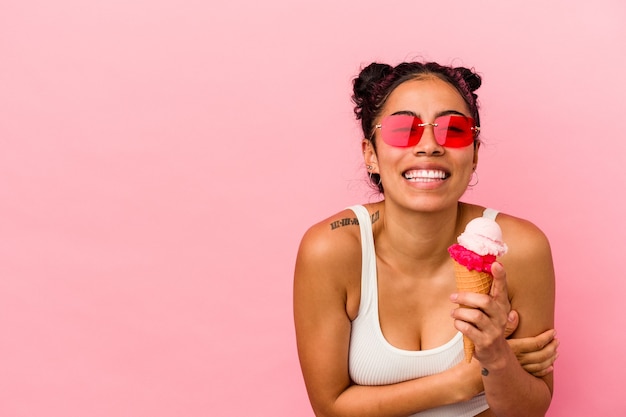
(499, 289)
(511, 323)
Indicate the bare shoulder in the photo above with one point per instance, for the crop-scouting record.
(524, 239)
(328, 265)
(334, 238)
(329, 256)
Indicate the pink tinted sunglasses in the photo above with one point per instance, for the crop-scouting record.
(451, 131)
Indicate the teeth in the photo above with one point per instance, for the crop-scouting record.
(424, 175)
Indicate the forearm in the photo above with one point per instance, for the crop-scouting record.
(405, 398)
(513, 392)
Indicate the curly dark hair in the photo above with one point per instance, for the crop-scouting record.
(375, 83)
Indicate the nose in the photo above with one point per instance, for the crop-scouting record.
(427, 144)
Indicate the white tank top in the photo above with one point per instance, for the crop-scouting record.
(374, 361)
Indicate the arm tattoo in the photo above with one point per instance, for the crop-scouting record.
(348, 221)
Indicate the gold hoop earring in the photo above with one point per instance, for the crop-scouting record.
(474, 178)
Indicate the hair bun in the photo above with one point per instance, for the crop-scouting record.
(370, 76)
(472, 79)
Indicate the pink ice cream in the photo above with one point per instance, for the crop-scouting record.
(479, 245)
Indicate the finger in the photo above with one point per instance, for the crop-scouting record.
(541, 368)
(476, 324)
(533, 344)
(500, 294)
(544, 372)
(499, 290)
(511, 323)
(481, 312)
(547, 355)
(468, 319)
(470, 299)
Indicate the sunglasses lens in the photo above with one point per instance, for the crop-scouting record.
(454, 131)
(401, 130)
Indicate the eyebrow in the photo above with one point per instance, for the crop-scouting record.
(443, 113)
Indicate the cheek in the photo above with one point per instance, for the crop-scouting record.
(470, 154)
(464, 156)
(465, 164)
(388, 155)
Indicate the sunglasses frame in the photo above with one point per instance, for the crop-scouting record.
(475, 129)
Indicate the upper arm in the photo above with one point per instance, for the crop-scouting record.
(530, 277)
(530, 280)
(326, 260)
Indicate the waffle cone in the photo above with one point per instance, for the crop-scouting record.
(471, 281)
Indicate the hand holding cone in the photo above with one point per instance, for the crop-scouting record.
(478, 247)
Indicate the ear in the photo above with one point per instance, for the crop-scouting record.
(369, 155)
(475, 160)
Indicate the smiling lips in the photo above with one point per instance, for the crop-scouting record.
(425, 175)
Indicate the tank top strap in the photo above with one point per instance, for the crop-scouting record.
(368, 258)
(490, 213)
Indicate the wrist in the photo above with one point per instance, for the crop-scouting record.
(467, 380)
(498, 359)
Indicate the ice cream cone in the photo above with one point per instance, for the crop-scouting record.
(471, 281)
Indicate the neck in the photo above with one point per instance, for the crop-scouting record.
(422, 237)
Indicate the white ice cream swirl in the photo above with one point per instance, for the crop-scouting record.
(483, 236)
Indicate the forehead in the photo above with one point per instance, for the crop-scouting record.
(425, 96)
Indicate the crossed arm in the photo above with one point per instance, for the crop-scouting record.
(517, 368)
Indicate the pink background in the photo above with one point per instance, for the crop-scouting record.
(161, 159)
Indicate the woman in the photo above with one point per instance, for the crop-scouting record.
(378, 322)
